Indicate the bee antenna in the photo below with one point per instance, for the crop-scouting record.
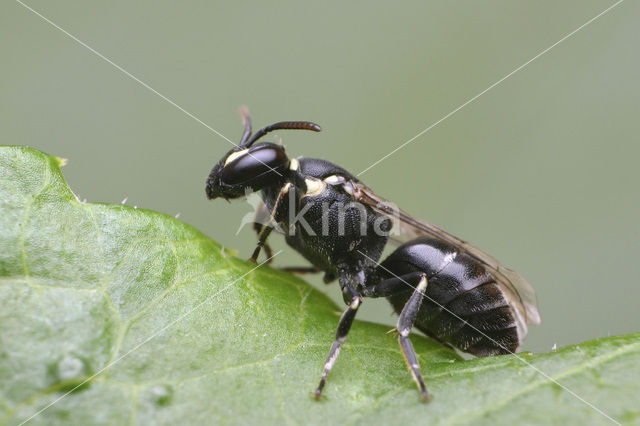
(290, 125)
(246, 120)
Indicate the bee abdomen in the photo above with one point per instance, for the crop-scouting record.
(463, 304)
(472, 322)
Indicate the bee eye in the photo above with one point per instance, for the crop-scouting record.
(254, 165)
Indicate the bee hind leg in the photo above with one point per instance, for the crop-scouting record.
(301, 270)
(405, 324)
(391, 286)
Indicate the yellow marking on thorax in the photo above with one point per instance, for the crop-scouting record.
(314, 187)
(294, 164)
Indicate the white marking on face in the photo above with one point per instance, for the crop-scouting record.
(235, 155)
(314, 187)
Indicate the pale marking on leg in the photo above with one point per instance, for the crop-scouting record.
(355, 303)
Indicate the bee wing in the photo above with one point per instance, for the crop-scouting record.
(518, 292)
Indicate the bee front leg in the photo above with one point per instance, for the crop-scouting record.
(258, 227)
(262, 242)
(266, 229)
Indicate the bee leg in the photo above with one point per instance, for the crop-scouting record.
(405, 323)
(341, 335)
(267, 248)
(262, 240)
(394, 285)
(300, 269)
(391, 286)
(265, 230)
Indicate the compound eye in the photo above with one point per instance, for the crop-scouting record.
(256, 162)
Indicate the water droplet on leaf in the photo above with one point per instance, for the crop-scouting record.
(162, 394)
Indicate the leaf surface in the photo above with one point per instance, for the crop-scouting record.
(160, 325)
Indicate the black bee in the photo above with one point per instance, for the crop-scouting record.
(447, 288)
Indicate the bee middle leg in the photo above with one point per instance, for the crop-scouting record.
(258, 227)
(341, 335)
(265, 230)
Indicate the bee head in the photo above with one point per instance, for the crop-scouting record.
(250, 165)
(242, 168)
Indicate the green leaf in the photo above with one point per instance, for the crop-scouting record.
(159, 324)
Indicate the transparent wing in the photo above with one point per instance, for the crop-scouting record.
(518, 292)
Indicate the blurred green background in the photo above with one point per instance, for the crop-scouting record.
(541, 171)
